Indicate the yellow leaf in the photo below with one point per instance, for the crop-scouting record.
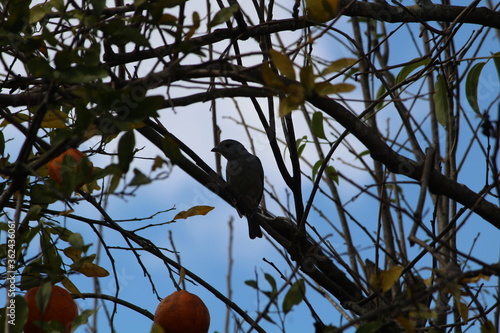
(20, 117)
(73, 253)
(326, 88)
(54, 119)
(464, 311)
(158, 163)
(90, 187)
(295, 93)
(66, 212)
(389, 277)
(475, 279)
(92, 270)
(156, 328)
(307, 78)
(167, 19)
(270, 78)
(321, 10)
(488, 327)
(71, 287)
(196, 25)
(428, 282)
(282, 63)
(338, 65)
(408, 325)
(193, 211)
(182, 275)
(43, 171)
(286, 106)
(422, 312)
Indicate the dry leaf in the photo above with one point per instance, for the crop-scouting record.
(193, 211)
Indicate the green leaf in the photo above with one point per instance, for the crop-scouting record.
(34, 212)
(172, 150)
(406, 70)
(315, 168)
(115, 181)
(39, 67)
(18, 15)
(301, 144)
(126, 147)
(116, 32)
(30, 276)
(441, 101)
(363, 153)
(21, 314)
(39, 11)
(294, 296)
(83, 74)
(92, 56)
(76, 241)
(370, 327)
(317, 125)
(471, 86)
(52, 261)
(43, 194)
(146, 107)
(83, 318)
(381, 90)
(252, 283)
(338, 65)
(62, 232)
(269, 278)
(223, 15)
(139, 179)
(332, 173)
(43, 296)
(98, 6)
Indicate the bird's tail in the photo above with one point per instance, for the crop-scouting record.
(254, 230)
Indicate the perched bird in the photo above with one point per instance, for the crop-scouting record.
(245, 175)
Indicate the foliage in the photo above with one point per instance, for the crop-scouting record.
(377, 124)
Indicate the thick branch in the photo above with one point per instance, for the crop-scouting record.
(382, 11)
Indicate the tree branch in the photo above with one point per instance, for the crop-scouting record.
(380, 151)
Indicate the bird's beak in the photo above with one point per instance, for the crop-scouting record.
(216, 149)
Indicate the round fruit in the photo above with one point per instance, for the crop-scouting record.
(61, 307)
(182, 312)
(55, 165)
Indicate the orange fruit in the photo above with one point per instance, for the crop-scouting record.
(61, 307)
(55, 165)
(182, 312)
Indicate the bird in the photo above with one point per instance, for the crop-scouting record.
(245, 175)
